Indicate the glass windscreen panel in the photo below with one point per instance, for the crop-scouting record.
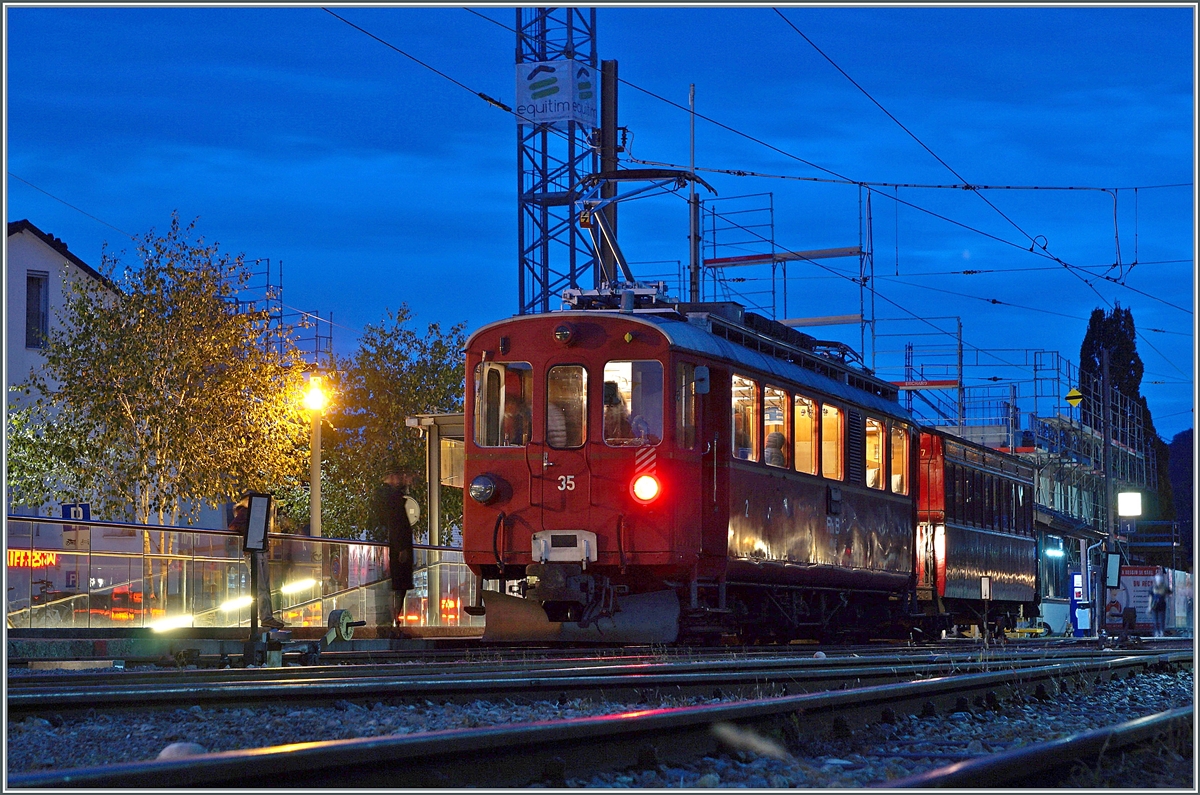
(503, 406)
(685, 405)
(566, 406)
(633, 403)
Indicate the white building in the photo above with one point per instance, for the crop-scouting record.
(37, 265)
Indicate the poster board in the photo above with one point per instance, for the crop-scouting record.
(1134, 591)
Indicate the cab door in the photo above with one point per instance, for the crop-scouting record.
(561, 481)
(716, 443)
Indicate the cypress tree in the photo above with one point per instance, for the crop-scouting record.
(1115, 331)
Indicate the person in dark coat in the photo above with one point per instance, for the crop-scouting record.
(392, 515)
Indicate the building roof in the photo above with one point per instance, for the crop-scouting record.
(55, 243)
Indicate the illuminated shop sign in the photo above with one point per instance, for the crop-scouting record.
(32, 558)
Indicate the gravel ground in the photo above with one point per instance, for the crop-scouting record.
(861, 758)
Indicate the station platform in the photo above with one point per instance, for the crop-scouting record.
(73, 649)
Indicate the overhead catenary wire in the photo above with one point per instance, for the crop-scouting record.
(1033, 249)
(481, 95)
(1033, 240)
(963, 185)
(867, 94)
(72, 206)
(500, 105)
(913, 315)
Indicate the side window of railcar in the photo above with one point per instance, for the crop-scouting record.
(502, 403)
(775, 427)
(566, 406)
(832, 427)
(1024, 520)
(685, 405)
(899, 459)
(873, 453)
(804, 417)
(745, 418)
(633, 403)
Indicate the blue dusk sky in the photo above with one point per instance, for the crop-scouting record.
(376, 181)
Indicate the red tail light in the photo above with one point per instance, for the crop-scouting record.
(645, 488)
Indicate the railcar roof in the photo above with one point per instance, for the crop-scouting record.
(683, 334)
(686, 335)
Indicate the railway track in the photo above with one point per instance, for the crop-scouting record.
(633, 678)
(543, 752)
(1045, 764)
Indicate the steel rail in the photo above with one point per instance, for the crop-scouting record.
(636, 682)
(416, 663)
(542, 752)
(1052, 758)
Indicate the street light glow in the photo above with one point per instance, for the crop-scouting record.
(315, 398)
(1129, 503)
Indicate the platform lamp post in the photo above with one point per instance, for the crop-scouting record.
(1129, 507)
(315, 400)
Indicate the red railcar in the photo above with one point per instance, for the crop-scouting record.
(640, 471)
(975, 535)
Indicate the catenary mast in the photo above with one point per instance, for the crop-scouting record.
(558, 93)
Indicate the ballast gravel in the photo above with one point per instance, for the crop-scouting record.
(860, 758)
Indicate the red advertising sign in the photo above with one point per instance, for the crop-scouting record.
(32, 559)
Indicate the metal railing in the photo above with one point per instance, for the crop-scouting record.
(88, 574)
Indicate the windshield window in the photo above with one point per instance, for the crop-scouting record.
(633, 403)
(566, 406)
(502, 403)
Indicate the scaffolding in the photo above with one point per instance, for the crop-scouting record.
(308, 331)
(264, 293)
(1034, 418)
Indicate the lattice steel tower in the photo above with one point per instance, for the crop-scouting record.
(553, 156)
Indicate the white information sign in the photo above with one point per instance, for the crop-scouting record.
(260, 518)
(556, 91)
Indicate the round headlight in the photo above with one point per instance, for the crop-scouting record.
(483, 489)
(564, 333)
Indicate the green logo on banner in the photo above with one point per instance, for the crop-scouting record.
(544, 87)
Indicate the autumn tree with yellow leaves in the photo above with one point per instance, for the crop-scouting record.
(161, 392)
